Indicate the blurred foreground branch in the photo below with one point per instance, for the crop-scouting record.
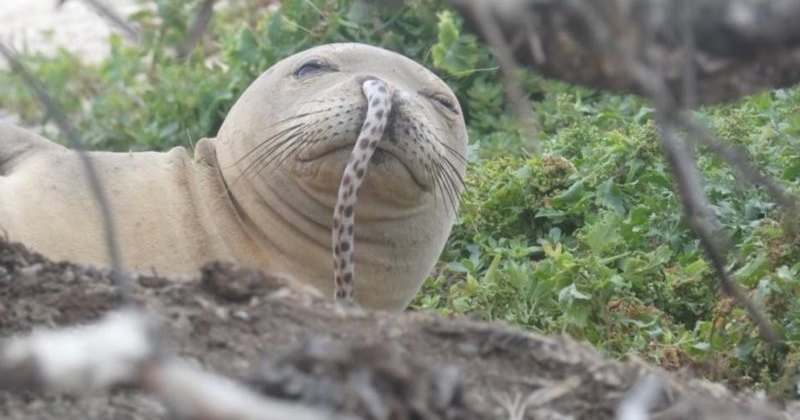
(124, 349)
(102, 9)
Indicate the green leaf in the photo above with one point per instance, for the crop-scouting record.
(570, 195)
(751, 273)
(603, 234)
(454, 53)
(610, 196)
(697, 268)
(571, 293)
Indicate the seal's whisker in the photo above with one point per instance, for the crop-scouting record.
(270, 147)
(440, 185)
(294, 150)
(274, 142)
(458, 185)
(454, 171)
(452, 151)
(284, 154)
(297, 116)
(244, 172)
(455, 180)
(450, 163)
(266, 159)
(447, 147)
(302, 147)
(433, 179)
(451, 190)
(434, 138)
(265, 142)
(267, 156)
(278, 154)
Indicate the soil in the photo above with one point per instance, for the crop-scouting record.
(286, 341)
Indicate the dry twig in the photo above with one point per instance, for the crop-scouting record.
(130, 32)
(198, 28)
(95, 184)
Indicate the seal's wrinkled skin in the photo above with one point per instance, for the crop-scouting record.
(262, 193)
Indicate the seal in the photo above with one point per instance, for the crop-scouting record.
(262, 193)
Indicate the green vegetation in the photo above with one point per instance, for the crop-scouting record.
(587, 238)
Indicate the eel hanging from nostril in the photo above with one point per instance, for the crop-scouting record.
(379, 105)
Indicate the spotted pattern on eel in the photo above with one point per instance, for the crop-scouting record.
(379, 105)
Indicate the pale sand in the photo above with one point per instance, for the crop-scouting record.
(38, 25)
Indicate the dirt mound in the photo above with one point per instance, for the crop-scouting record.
(287, 342)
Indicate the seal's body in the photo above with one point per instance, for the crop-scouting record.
(170, 209)
(262, 193)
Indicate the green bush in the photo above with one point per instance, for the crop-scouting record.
(587, 238)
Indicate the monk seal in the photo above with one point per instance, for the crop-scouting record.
(262, 192)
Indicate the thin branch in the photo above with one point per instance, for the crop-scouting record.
(121, 278)
(198, 29)
(740, 159)
(695, 204)
(130, 32)
(689, 51)
(522, 107)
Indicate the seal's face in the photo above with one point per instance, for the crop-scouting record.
(312, 128)
(289, 136)
(423, 146)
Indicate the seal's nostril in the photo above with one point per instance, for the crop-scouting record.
(365, 77)
(368, 78)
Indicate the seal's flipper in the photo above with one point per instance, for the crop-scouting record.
(16, 143)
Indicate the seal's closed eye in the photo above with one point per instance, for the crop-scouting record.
(313, 66)
(442, 100)
(445, 102)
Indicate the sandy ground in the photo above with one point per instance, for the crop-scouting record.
(40, 25)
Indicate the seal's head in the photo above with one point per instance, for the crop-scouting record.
(284, 145)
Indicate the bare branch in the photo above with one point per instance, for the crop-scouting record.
(130, 32)
(695, 204)
(198, 28)
(740, 159)
(104, 205)
(509, 68)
